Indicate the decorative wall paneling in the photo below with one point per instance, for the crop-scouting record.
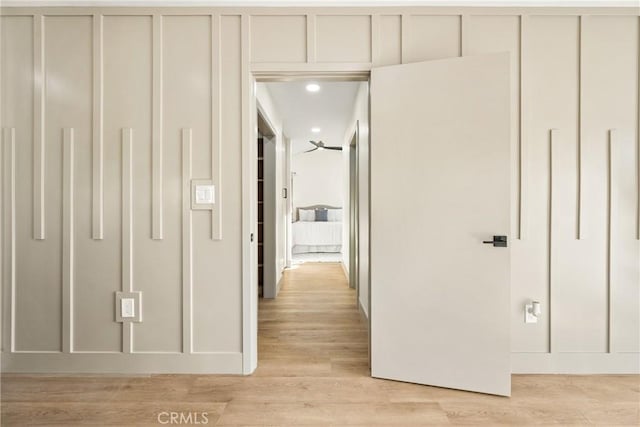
(9, 231)
(97, 149)
(187, 243)
(68, 236)
(38, 128)
(157, 127)
(147, 89)
(127, 229)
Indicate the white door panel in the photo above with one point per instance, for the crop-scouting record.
(439, 188)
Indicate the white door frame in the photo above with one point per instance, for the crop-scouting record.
(249, 178)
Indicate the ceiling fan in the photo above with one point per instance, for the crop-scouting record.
(320, 146)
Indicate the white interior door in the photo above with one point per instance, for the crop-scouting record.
(439, 188)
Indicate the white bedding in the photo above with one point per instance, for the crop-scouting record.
(318, 236)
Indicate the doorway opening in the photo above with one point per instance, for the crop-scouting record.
(439, 271)
(309, 136)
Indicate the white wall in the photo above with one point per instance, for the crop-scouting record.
(318, 178)
(360, 118)
(346, 204)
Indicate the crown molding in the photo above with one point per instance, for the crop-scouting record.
(319, 3)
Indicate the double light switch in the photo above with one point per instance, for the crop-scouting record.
(203, 194)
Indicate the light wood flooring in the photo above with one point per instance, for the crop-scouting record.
(313, 371)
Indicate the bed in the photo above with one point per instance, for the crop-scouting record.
(317, 228)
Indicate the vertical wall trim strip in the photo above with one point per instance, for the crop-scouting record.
(97, 151)
(216, 126)
(375, 39)
(404, 38)
(579, 201)
(525, 121)
(9, 156)
(312, 54)
(67, 239)
(611, 138)
(39, 93)
(157, 159)
(638, 136)
(553, 142)
(465, 20)
(187, 245)
(4, 265)
(519, 106)
(249, 293)
(127, 229)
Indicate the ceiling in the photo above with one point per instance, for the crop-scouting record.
(330, 109)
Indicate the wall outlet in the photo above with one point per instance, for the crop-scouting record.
(528, 315)
(128, 306)
(532, 311)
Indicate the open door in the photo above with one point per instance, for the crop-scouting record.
(439, 194)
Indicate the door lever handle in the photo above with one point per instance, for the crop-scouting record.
(497, 242)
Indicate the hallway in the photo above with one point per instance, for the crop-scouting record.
(313, 327)
(312, 371)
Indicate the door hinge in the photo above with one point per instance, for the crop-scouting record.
(252, 237)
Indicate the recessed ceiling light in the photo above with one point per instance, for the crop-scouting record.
(313, 87)
(315, 130)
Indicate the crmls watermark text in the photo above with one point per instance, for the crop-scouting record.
(173, 417)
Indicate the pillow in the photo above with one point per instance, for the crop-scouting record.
(321, 215)
(334, 215)
(307, 215)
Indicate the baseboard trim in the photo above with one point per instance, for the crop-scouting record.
(231, 363)
(121, 363)
(345, 270)
(575, 363)
(363, 312)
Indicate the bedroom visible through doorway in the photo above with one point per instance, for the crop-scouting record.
(308, 136)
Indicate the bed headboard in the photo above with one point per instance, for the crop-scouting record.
(296, 217)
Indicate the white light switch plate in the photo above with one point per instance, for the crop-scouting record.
(203, 194)
(128, 307)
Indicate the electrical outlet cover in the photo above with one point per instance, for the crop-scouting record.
(528, 314)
